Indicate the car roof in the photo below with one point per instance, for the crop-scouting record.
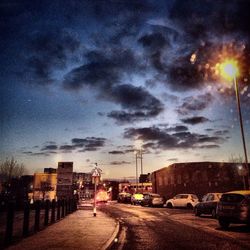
(213, 193)
(185, 194)
(242, 192)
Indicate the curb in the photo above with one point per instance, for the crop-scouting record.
(111, 241)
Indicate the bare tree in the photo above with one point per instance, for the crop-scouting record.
(10, 168)
(235, 159)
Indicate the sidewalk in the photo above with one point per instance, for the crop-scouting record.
(80, 230)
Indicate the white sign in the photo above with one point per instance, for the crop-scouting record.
(96, 172)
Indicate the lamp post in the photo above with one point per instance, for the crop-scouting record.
(136, 171)
(229, 70)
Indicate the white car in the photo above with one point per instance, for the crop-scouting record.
(183, 200)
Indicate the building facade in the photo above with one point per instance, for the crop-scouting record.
(197, 177)
(64, 180)
(44, 186)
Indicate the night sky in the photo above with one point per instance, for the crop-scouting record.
(89, 81)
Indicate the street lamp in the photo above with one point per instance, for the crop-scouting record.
(229, 70)
(136, 171)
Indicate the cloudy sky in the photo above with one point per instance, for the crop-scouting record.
(89, 81)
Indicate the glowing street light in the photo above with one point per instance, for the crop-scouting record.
(229, 70)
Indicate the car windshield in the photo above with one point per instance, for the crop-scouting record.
(232, 197)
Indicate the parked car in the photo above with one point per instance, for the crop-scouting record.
(136, 199)
(124, 197)
(208, 204)
(234, 207)
(152, 200)
(183, 200)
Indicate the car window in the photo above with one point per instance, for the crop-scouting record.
(210, 197)
(194, 196)
(184, 196)
(178, 196)
(232, 197)
(204, 198)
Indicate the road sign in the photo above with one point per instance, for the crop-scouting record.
(96, 172)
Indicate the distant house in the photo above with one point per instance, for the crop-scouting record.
(197, 177)
(44, 186)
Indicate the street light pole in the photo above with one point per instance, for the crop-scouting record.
(136, 172)
(246, 176)
(141, 168)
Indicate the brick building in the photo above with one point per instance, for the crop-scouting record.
(197, 177)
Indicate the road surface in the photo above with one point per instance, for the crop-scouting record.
(162, 228)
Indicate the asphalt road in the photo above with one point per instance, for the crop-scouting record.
(162, 228)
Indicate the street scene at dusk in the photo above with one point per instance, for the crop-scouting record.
(125, 124)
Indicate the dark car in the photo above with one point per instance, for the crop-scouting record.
(208, 204)
(152, 200)
(234, 207)
(124, 197)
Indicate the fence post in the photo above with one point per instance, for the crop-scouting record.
(26, 215)
(70, 205)
(53, 207)
(10, 221)
(37, 215)
(63, 203)
(58, 209)
(46, 215)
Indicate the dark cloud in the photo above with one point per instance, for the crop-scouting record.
(138, 102)
(153, 41)
(209, 146)
(47, 52)
(178, 128)
(195, 120)
(103, 69)
(49, 147)
(116, 152)
(160, 139)
(196, 103)
(67, 147)
(221, 132)
(87, 144)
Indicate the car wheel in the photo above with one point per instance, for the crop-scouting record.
(169, 205)
(196, 212)
(224, 224)
(214, 213)
(189, 206)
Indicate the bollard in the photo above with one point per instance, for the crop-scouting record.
(94, 211)
(10, 221)
(26, 215)
(46, 215)
(37, 215)
(58, 209)
(53, 208)
(63, 203)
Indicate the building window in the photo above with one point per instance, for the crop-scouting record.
(160, 181)
(165, 180)
(179, 179)
(172, 179)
